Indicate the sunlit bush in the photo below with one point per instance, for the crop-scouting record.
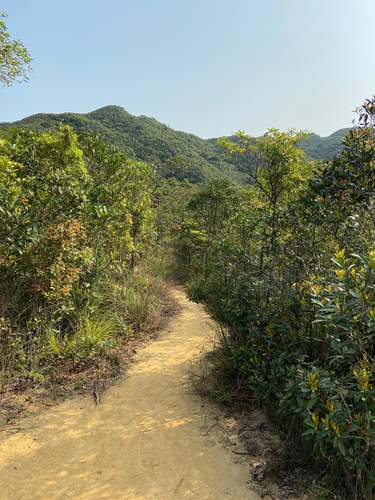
(300, 326)
(72, 212)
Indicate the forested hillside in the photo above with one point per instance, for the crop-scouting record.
(324, 148)
(176, 154)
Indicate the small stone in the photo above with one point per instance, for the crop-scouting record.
(233, 439)
(258, 471)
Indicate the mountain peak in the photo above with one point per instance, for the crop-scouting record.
(110, 110)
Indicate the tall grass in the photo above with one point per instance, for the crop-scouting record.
(137, 300)
(123, 304)
(94, 336)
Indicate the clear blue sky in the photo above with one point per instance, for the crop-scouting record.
(208, 67)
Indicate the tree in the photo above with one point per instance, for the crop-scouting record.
(14, 57)
(366, 113)
(276, 169)
(297, 324)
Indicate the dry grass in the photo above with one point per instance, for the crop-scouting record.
(72, 375)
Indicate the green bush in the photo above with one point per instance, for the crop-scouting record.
(300, 332)
(73, 211)
(334, 392)
(93, 337)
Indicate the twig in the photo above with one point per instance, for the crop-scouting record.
(96, 397)
(95, 392)
(18, 429)
(210, 429)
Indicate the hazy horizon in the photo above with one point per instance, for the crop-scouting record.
(205, 69)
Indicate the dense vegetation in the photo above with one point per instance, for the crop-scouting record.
(324, 148)
(175, 154)
(284, 262)
(76, 219)
(287, 267)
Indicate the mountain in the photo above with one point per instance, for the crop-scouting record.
(324, 148)
(175, 153)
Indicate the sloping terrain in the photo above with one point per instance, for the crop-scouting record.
(176, 154)
(324, 148)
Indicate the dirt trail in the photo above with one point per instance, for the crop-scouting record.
(148, 439)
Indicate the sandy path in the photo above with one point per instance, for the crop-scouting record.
(146, 440)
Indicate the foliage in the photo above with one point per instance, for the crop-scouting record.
(14, 57)
(287, 267)
(77, 217)
(92, 337)
(366, 113)
(137, 301)
(175, 154)
(42, 244)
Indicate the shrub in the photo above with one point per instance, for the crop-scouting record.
(300, 334)
(72, 210)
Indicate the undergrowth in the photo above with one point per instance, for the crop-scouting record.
(123, 310)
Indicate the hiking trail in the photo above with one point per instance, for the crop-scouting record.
(149, 438)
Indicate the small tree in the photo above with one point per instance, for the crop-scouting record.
(366, 113)
(14, 57)
(276, 169)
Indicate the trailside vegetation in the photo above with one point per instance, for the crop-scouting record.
(287, 266)
(77, 218)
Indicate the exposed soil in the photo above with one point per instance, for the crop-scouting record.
(147, 437)
(70, 379)
(276, 471)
